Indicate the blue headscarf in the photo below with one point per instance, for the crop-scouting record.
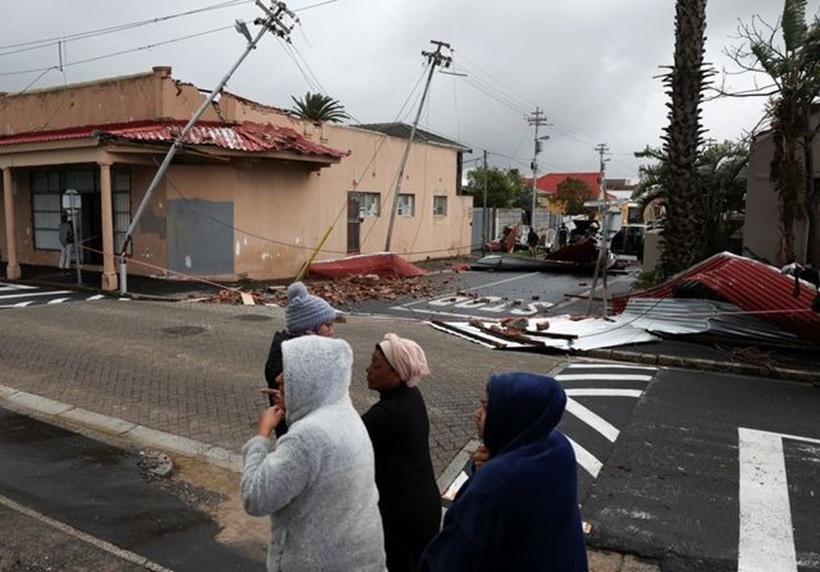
(521, 408)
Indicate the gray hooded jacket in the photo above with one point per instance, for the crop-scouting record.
(318, 483)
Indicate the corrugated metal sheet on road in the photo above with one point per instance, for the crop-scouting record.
(754, 287)
(682, 316)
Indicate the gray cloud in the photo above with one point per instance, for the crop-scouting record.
(591, 65)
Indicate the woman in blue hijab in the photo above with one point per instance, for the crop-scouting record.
(519, 511)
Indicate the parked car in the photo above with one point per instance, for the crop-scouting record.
(629, 240)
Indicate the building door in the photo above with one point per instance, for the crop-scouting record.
(354, 223)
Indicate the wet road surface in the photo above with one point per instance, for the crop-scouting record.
(70, 503)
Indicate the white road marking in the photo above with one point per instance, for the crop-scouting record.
(514, 278)
(590, 392)
(17, 305)
(27, 294)
(582, 365)
(586, 459)
(603, 377)
(93, 540)
(95, 297)
(57, 300)
(592, 419)
(9, 287)
(766, 539)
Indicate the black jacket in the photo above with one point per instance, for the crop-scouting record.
(273, 367)
(408, 495)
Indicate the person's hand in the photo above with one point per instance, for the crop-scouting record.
(278, 397)
(270, 418)
(480, 456)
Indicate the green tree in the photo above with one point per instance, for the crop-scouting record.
(504, 187)
(793, 66)
(685, 217)
(570, 196)
(721, 193)
(319, 107)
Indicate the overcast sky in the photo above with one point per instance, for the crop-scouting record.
(592, 66)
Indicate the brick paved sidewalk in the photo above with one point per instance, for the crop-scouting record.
(189, 371)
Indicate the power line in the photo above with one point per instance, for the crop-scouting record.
(36, 44)
(121, 52)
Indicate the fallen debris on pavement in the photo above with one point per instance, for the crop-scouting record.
(340, 292)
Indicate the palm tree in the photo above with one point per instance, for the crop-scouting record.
(722, 193)
(683, 236)
(319, 107)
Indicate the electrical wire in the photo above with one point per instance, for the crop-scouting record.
(122, 52)
(36, 44)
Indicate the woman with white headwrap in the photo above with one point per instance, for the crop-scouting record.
(398, 426)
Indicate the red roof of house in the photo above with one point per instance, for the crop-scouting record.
(549, 183)
(248, 137)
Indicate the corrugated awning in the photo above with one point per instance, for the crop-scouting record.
(247, 137)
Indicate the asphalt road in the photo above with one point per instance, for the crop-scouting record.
(71, 503)
(715, 472)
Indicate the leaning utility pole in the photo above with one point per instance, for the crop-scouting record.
(603, 251)
(274, 22)
(433, 59)
(537, 119)
(485, 219)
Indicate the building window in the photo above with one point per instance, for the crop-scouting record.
(121, 198)
(407, 205)
(47, 189)
(369, 204)
(440, 205)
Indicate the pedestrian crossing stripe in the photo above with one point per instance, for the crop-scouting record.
(603, 377)
(23, 296)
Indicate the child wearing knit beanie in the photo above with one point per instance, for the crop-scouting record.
(305, 314)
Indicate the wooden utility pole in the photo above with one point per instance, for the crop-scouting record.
(485, 218)
(603, 251)
(537, 119)
(433, 59)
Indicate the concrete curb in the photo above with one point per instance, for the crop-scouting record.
(83, 421)
(798, 375)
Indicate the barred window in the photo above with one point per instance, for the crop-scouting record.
(407, 205)
(369, 204)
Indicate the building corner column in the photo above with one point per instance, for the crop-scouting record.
(13, 267)
(109, 275)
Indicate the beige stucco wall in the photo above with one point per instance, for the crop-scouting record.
(281, 210)
(761, 228)
(140, 97)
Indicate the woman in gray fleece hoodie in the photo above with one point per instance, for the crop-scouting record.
(317, 481)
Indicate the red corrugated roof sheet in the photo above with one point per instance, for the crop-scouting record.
(752, 286)
(248, 137)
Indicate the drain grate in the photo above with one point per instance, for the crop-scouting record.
(254, 318)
